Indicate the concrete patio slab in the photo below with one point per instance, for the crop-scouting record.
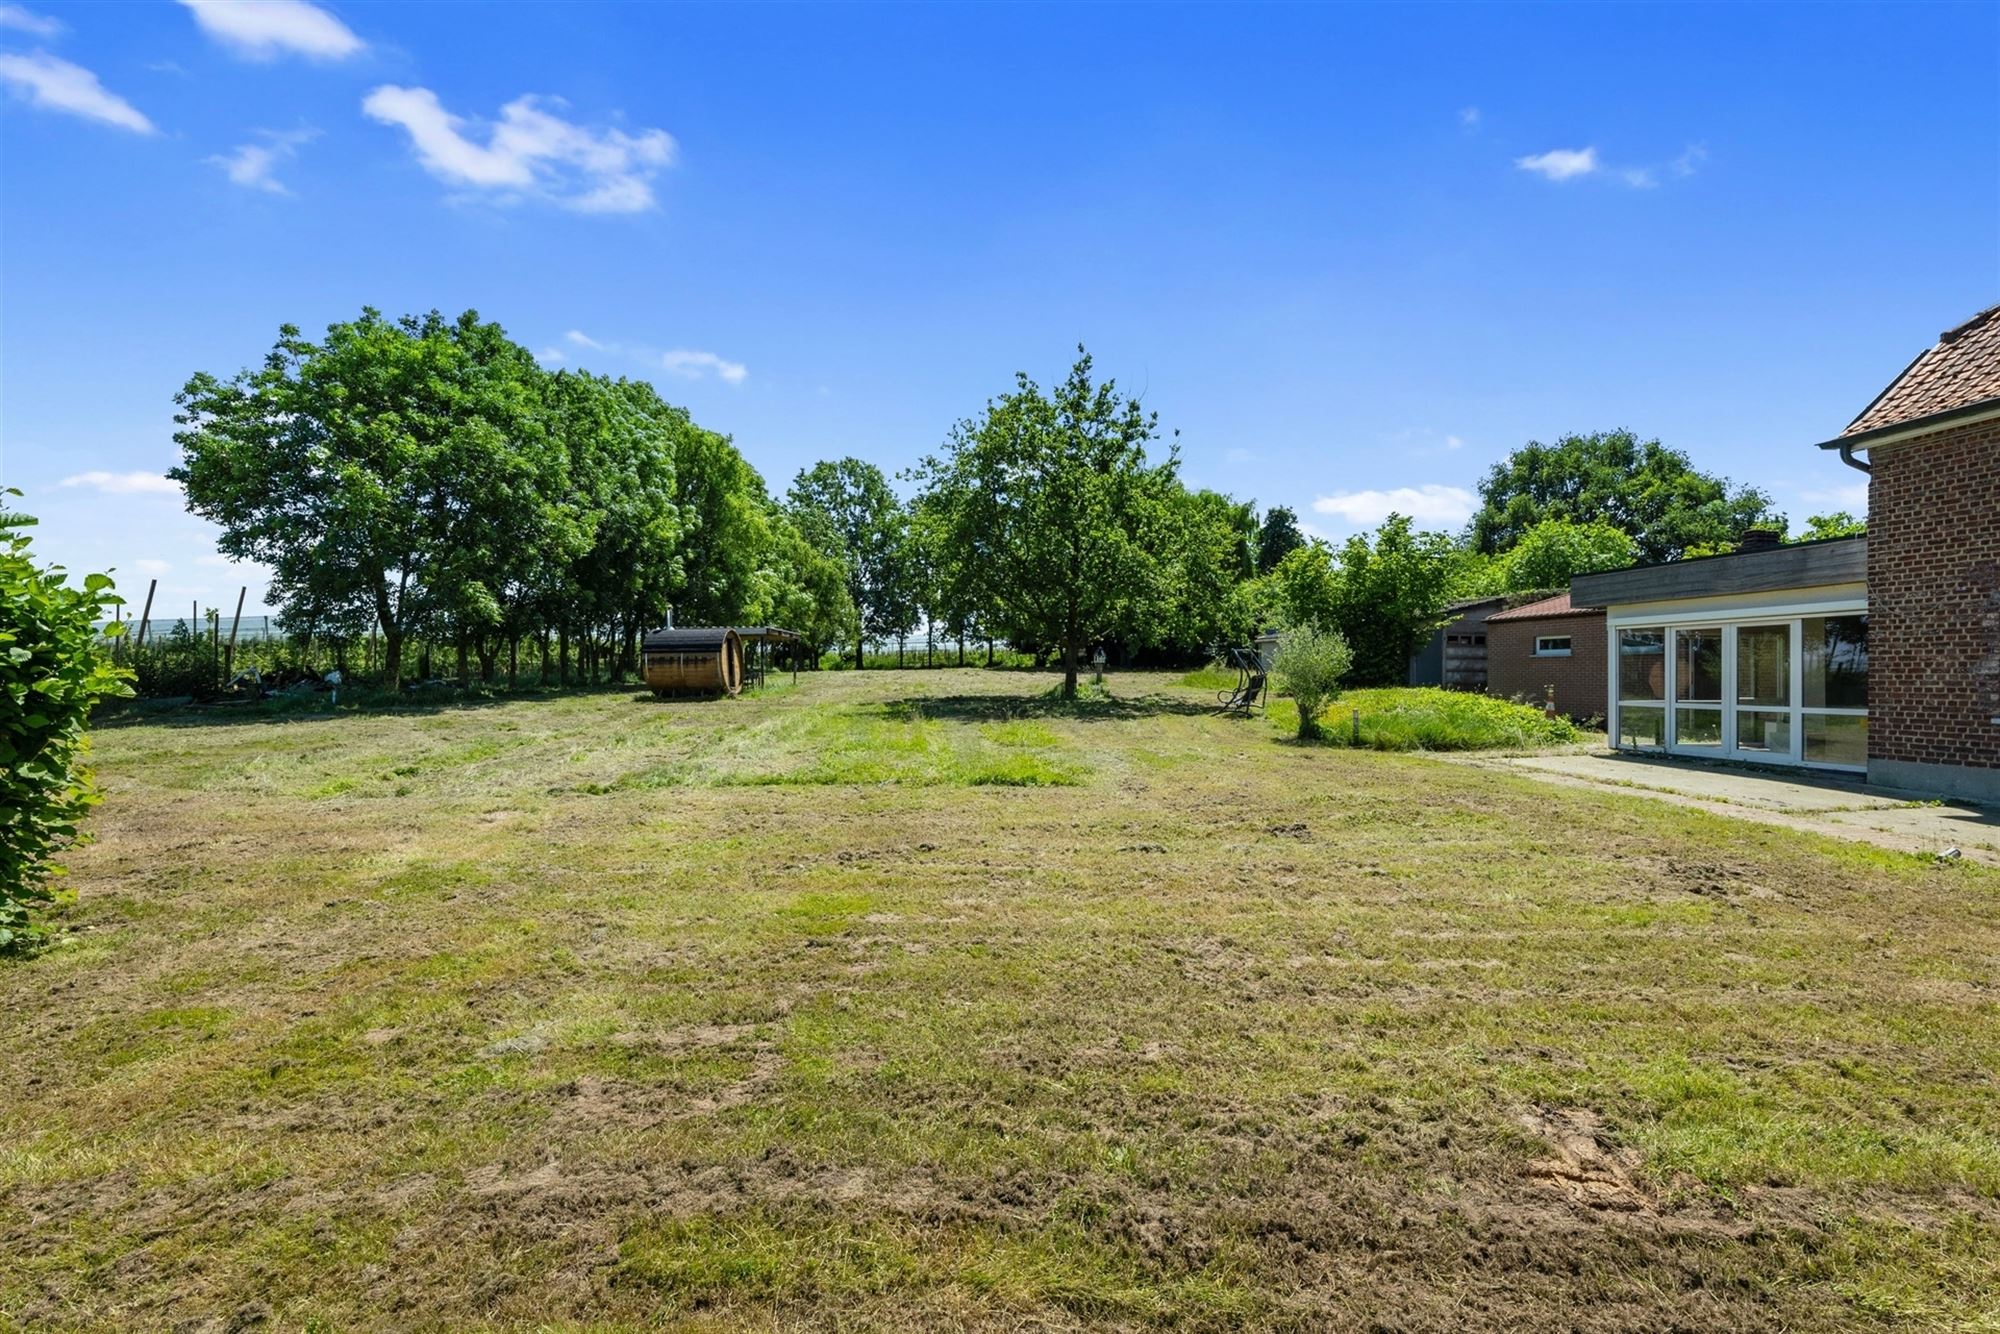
(1826, 804)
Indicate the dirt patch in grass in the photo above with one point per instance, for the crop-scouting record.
(594, 1028)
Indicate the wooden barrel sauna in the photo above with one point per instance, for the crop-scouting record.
(699, 660)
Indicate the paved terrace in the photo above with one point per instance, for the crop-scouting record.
(1826, 804)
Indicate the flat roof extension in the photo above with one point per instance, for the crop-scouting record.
(1835, 560)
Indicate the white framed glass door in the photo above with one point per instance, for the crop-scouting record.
(1697, 690)
(1765, 704)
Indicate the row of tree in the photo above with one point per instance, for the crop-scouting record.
(427, 477)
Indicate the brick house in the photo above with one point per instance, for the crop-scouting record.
(1548, 645)
(1932, 441)
(1877, 654)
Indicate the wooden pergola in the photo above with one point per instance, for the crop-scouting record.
(763, 643)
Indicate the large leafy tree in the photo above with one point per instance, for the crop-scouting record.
(1640, 486)
(54, 668)
(1555, 551)
(1208, 567)
(846, 507)
(1840, 523)
(722, 503)
(1390, 594)
(801, 587)
(620, 439)
(1054, 490)
(1278, 537)
(368, 469)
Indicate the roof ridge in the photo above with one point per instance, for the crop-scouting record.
(1956, 332)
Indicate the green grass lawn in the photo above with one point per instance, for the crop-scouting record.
(921, 1000)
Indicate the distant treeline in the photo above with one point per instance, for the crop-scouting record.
(425, 479)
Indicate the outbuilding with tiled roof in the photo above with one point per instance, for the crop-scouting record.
(1548, 650)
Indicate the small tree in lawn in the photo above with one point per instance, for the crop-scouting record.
(53, 669)
(1054, 492)
(1311, 664)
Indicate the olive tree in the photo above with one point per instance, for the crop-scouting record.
(1311, 665)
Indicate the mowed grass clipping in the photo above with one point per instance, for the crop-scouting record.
(789, 1012)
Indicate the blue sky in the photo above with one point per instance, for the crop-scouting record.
(1353, 254)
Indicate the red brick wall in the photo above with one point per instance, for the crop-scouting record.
(1513, 671)
(1934, 599)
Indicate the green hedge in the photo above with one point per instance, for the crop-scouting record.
(53, 671)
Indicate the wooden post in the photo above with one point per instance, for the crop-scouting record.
(146, 616)
(1357, 727)
(229, 656)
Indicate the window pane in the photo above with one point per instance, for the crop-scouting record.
(1642, 726)
(1642, 664)
(1833, 738)
(1764, 665)
(1764, 730)
(1698, 665)
(1836, 662)
(1697, 727)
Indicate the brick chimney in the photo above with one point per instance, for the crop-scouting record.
(1759, 539)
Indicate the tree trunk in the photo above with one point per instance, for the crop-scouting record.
(464, 670)
(562, 666)
(392, 658)
(513, 649)
(900, 641)
(989, 652)
(860, 643)
(1069, 668)
(542, 677)
(961, 650)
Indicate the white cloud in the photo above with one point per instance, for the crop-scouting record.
(57, 85)
(124, 483)
(215, 558)
(1238, 455)
(1563, 164)
(266, 29)
(550, 355)
(1560, 164)
(152, 566)
(693, 365)
(582, 339)
(1430, 503)
(1453, 442)
(24, 20)
(251, 165)
(1469, 117)
(531, 152)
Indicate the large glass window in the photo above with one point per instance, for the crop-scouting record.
(1642, 664)
(1642, 726)
(1698, 665)
(1836, 738)
(1793, 689)
(1764, 666)
(1836, 661)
